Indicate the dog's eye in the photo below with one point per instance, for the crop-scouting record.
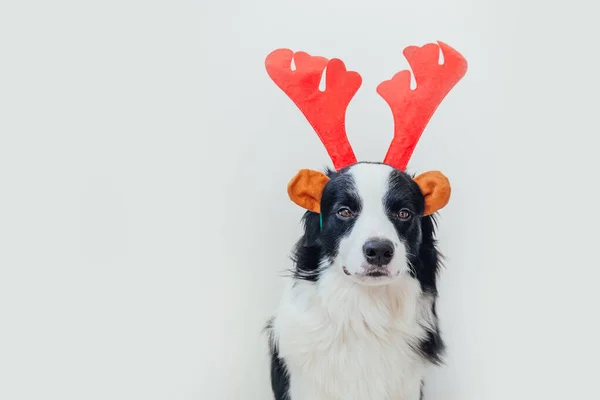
(344, 212)
(404, 214)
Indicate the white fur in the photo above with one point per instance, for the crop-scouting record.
(342, 339)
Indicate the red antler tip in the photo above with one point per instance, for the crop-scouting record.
(325, 110)
(412, 109)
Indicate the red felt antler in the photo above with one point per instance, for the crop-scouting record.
(412, 109)
(325, 110)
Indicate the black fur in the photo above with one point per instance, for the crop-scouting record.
(427, 266)
(280, 381)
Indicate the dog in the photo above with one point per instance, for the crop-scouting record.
(357, 320)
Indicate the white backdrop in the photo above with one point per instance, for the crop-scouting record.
(144, 222)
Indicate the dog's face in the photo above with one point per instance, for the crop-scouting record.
(371, 222)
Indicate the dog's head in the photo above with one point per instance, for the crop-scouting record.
(370, 223)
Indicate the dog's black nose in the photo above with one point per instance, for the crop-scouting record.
(379, 251)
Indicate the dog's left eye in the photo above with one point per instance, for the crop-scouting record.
(404, 214)
(344, 212)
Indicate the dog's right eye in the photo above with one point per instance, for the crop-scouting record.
(344, 212)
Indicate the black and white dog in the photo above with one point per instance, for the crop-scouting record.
(358, 320)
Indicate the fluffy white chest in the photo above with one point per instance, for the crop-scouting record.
(343, 341)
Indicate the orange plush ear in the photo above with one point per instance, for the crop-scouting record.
(306, 188)
(436, 189)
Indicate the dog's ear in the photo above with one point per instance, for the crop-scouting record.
(306, 189)
(436, 190)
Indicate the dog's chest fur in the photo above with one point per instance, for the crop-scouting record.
(342, 341)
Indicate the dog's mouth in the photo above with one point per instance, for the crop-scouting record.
(370, 272)
(377, 273)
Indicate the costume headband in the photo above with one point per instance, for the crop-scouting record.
(326, 111)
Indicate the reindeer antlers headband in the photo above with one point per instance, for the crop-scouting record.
(326, 111)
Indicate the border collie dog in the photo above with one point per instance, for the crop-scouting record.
(358, 318)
